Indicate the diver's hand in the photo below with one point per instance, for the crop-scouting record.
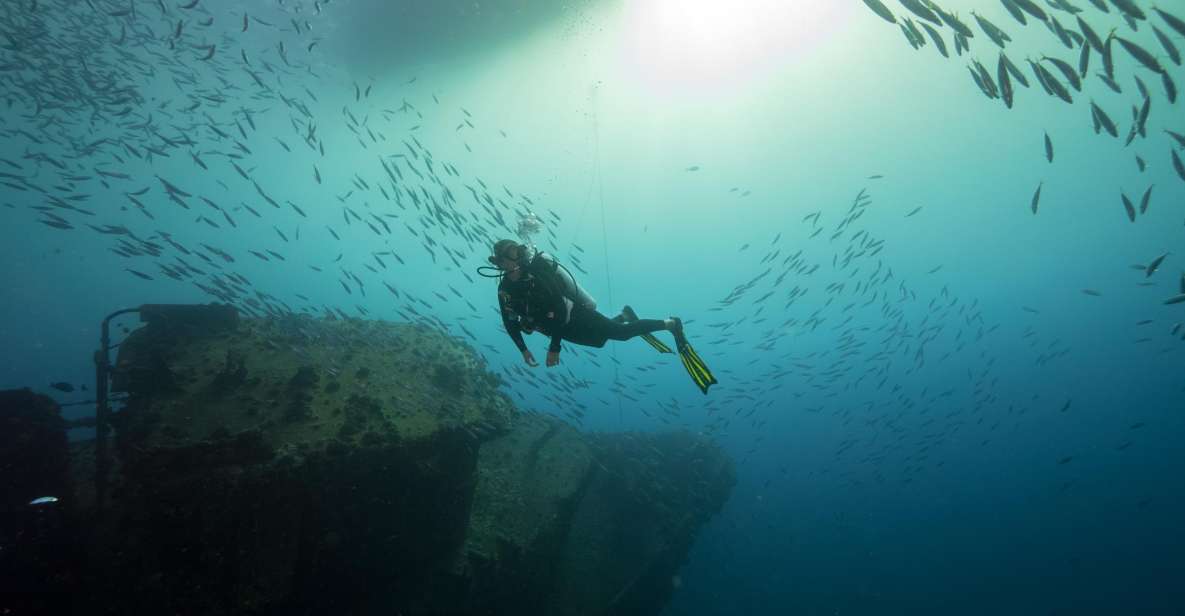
(529, 358)
(553, 358)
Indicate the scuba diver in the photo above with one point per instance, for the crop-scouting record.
(536, 293)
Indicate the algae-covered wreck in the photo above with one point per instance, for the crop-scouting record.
(300, 465)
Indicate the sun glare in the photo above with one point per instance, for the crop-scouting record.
(678, 44)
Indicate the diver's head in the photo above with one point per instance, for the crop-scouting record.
(509, 255)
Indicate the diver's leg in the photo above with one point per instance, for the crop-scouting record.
(625, 331)
(584, 328)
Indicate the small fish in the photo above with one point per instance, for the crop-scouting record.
(881, 10)
(1104, 119)
(937, 38)
(1176, 299)
(998, 36)
(1143, 56)
(1174, 22)
(1068, 71)
(1167, 44)
(1145, 199)
(1178, 137)
(1154, 265)
(62, 386)
(1032, 9)
(917, 7)
(1006, 91)
(692, 168)
(1127, 206)
(1036, 197)
(1065, 460)
(1178, 165)
(915, 211)
(1048, 148)
(1051, 83)
(1014, 71)
(1015, 12)
(1129, 9)
(1109, 60)
(1092, 292)
(1084, 60)
(44, 500)
(1089, 34)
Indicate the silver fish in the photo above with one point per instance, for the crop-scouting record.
(936, 36)
(1090, 35)
(1005, 83)
(998, 36)
(1127, 205)
(1104, 119)
(1169, 47)
(1015, 11)
(882, 10)
(1129, 8)
(1154, 265)
(1174, 22)
(1143, 56)
(1145, 199)
(1032, 9)
(921, 10)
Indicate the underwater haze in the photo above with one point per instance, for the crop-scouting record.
(943, 301)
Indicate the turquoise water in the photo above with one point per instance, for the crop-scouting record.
(901, 441)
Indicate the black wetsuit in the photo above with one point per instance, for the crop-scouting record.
(536, 301)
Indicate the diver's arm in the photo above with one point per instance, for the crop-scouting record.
(516, 334)
(510, 323)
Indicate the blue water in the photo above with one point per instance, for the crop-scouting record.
(901, 445)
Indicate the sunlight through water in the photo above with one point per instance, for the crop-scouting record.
(681, 45)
